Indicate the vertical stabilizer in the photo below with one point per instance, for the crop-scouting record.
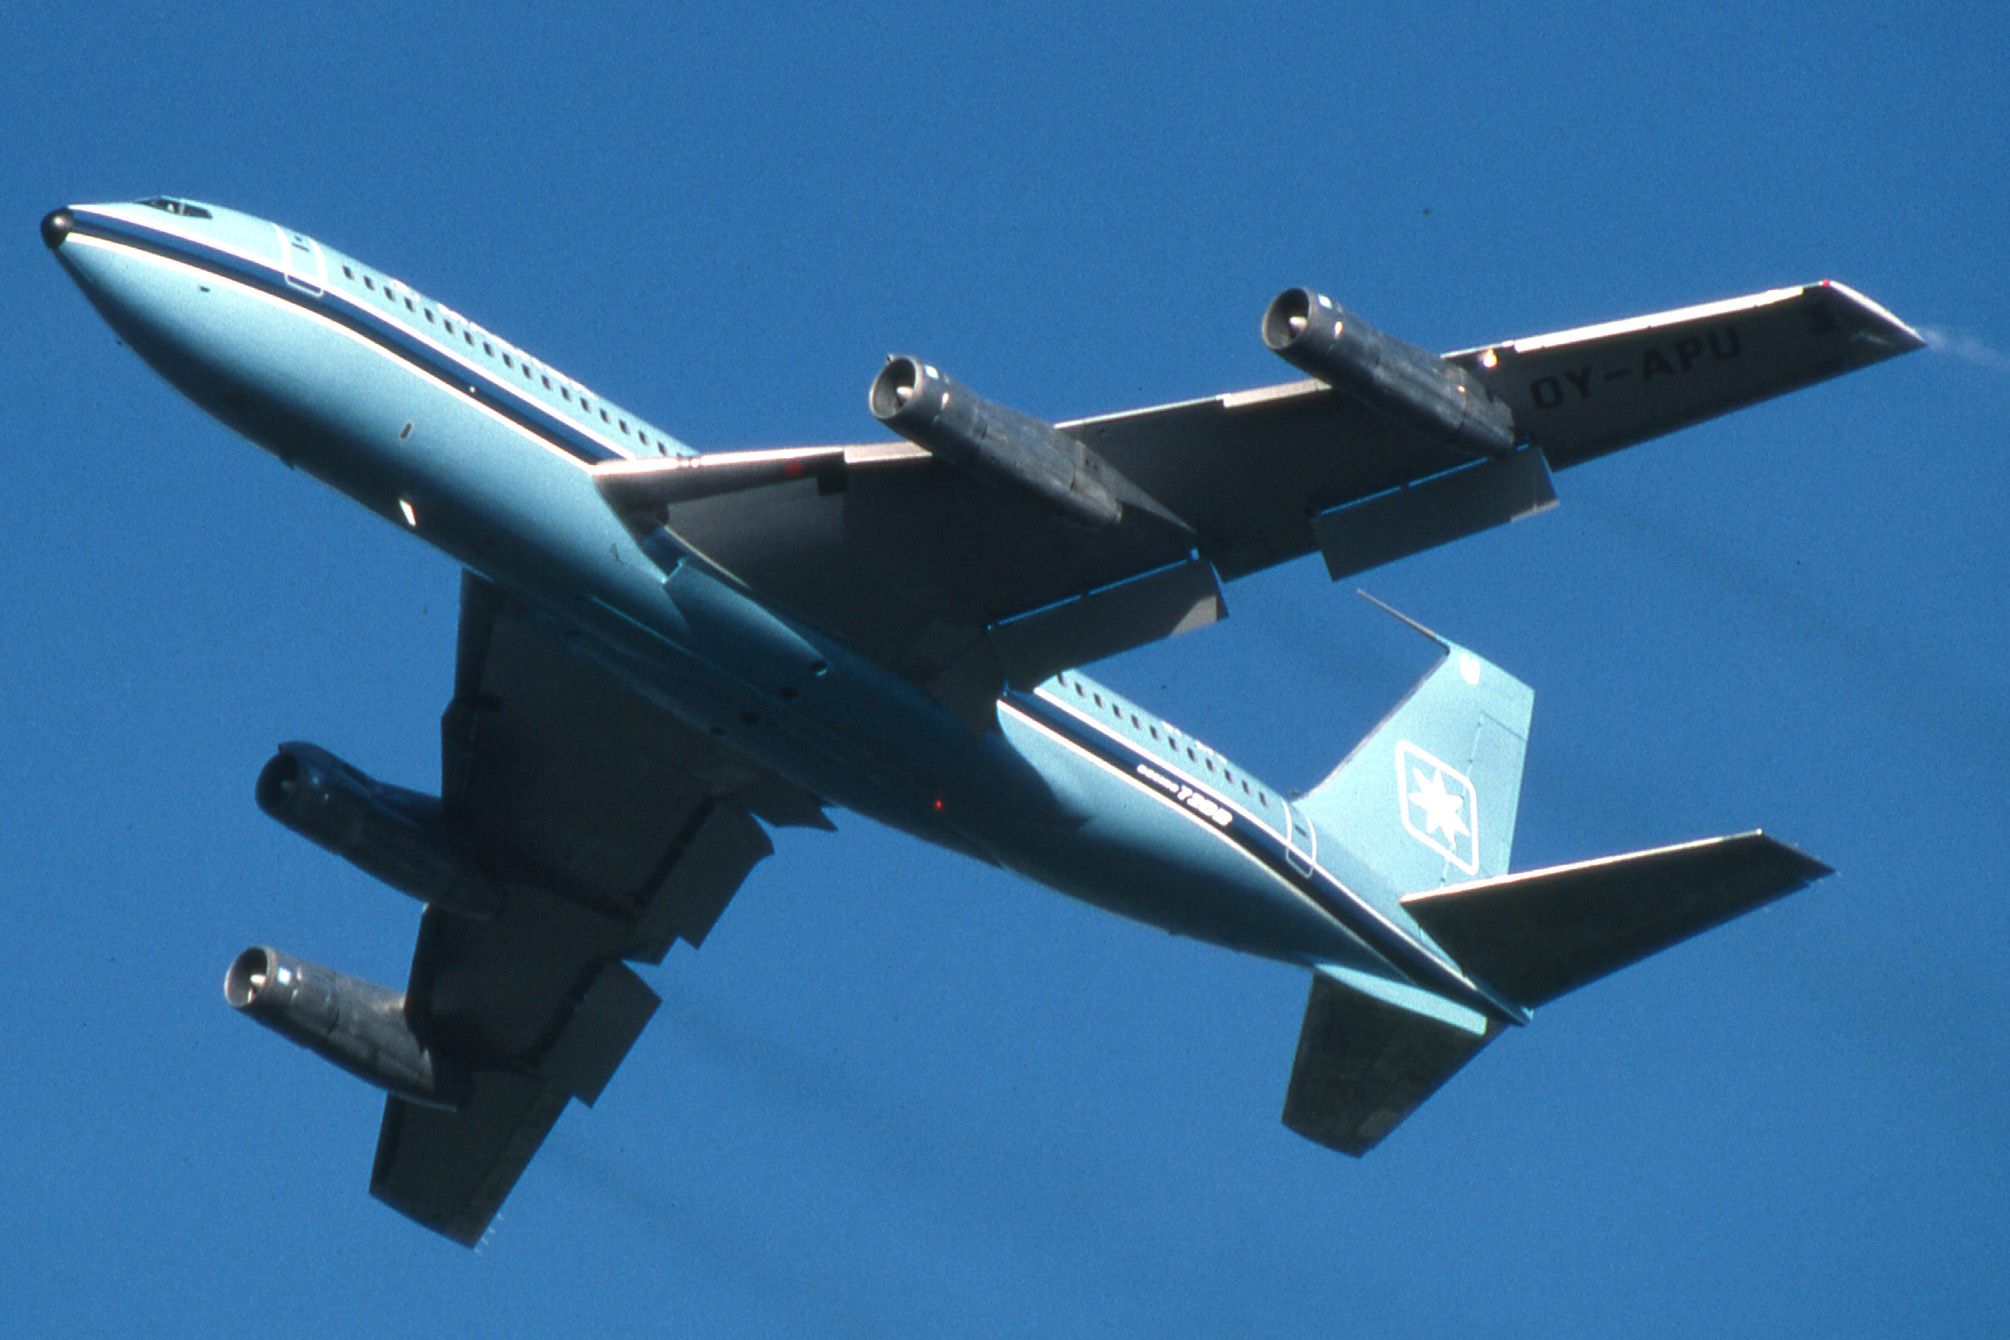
(1429, 797)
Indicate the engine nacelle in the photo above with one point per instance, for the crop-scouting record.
(1316, 335)
(991, 442)
(358, 1025)
(398, 836)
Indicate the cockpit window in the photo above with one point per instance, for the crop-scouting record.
(181, 207)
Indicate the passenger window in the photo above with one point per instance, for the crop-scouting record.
(566, 391)
(546, 380)
(507, 363)
(348, 273)
(429, 316)
(369, 283)
(488, 349)
(410, 306)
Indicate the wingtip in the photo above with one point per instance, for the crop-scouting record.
(1808, 867)
(1883, 324)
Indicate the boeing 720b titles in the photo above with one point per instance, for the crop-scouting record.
(666, 654)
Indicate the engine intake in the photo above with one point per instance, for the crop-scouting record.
(358, 1025)
(398, 836)
(992, 442)
(1316, 335)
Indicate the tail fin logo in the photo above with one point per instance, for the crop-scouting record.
(1439, 807)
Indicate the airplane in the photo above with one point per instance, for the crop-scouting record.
(664, 655)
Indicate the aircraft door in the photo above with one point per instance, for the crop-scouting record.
(301, 259)
(1301, 840)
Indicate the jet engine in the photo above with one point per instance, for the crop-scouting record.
(398, 836)
(1316, 335)
(991, 442)
(358, 1025)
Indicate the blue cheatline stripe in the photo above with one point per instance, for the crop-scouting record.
(347, 311)
(1332, 897)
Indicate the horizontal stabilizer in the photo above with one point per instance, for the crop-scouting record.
(1580, 393)
(1541, 934)
(1369, 1053)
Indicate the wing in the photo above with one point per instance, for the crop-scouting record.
(964, 587)
(615, 831)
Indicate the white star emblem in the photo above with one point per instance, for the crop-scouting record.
(1442, 809)
(1439, 806)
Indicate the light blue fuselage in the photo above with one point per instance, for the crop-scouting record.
(438, 426)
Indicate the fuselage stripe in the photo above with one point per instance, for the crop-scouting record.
(1248, 851)
(526, 412)
(347, 331)
(1263, 845)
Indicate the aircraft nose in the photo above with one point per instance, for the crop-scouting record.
(55, 227)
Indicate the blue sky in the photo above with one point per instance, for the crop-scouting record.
(898, 1091)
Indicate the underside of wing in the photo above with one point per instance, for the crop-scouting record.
(944, 580)
(964, 587)
(531, 1009)
(1009, 549)
(567, 780)
(452, 1170)
(601, 832)
(1582, 393)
